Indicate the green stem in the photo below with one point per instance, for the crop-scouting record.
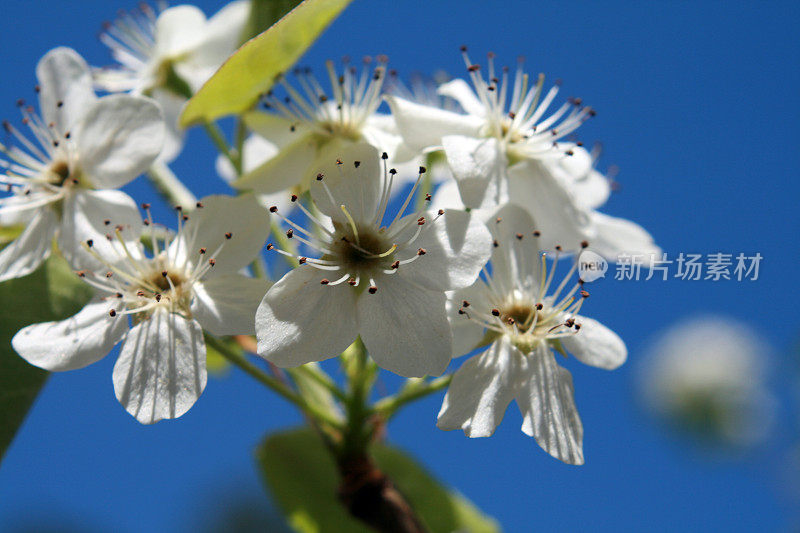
(241, 135)
(272, 383)
(322, 379)
(360, 376)
(388, 407)
(217, 137)
(173, 190)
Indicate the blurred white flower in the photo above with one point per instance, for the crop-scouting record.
(524, 321)
(82, 146)
(506, 149)
(385, 283)
(312, 128)
(169, 55)
(159, 305)
(707, 376)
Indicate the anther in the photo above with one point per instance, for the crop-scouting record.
(558, 247)
(118, 295)
(228, 235)
(356, 164)
(577, 327)
(273, 209)
(351, 282)
(495, 312)
(112, 313)
(384, 156)
(495, 243)
(289, 233)
(440, 212)
(373, 289)
(81, 273)
(164, 273)
(396, 264)
(584, 244)
(392, 171)
(465, 304)
(145, 206)
(294, 198)
(202, 251)
(473, 68)
(90, 243)
(422, 170)
(158, 297)
(518, 236)
(212, 261)
(324, 281)
(428, 197)
(302, 260)
(537, 233)
(420, 221)
(199, 205)
(584, 294)
(539, 307)
(185, 218)
(339, 162)
(109, 274)
(270, 246)
(107, 222)
(422, 251)
(320, 176)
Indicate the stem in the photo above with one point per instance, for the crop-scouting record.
(170, 187)
(388, 407)
(241, 135)
(272, 383)
(216, 136)
(323, 380)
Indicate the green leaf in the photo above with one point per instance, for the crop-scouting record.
(251, 70)
(302, 477)
(53, 292)
(265, 13)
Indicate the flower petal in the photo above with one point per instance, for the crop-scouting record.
(27, 252)
(301, 320)
(291, 166)
(516, 256)
(171, 106)
(558, 215)
(356, 187)
(226, 305)
(467, 333)
(118, 138)
(480, 167)
(242, 217)
(424, 126)
(179, 30)
(596, 345)
(274, 128)
(405, 328)
(461, 91)
(546, 399)
(73, 343)
(255, 151)
(480, 392)
(98, 215)
(616, 236)
(457, 246)
(161, 370)
(65, 79)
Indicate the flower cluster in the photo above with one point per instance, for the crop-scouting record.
(417, 266)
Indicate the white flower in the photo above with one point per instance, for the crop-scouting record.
(524, 321)
(505, 148)
(385, 283)
(82, 147)
(159, 304)
(707, 376)
(169, 55)
(311, 127)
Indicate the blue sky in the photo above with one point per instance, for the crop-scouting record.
(697, 107)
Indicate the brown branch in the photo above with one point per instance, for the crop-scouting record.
(369, 495)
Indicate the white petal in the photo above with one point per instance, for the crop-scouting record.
(242, 216)
(462, 92)
(255, 151)
(118, 138)
(467, 333)
(276, 129)
(405, 328)
(179, 30)
(457, 246)
(558, 215)
(161, 370)
(596, 345)
(221, 36)
(357, 188)
(73, 343)
(615, 236)
(96, 215)
(64, 77)
(381, 132)
(590, 187)
(480, 167)
(27, 252)
(546, 398)
(515, 261)
(21, 208)
(447, 196)
(171, 106)
(291, 166)
(226, 305)
(424, 126)
(300, 320)
(480, 392)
